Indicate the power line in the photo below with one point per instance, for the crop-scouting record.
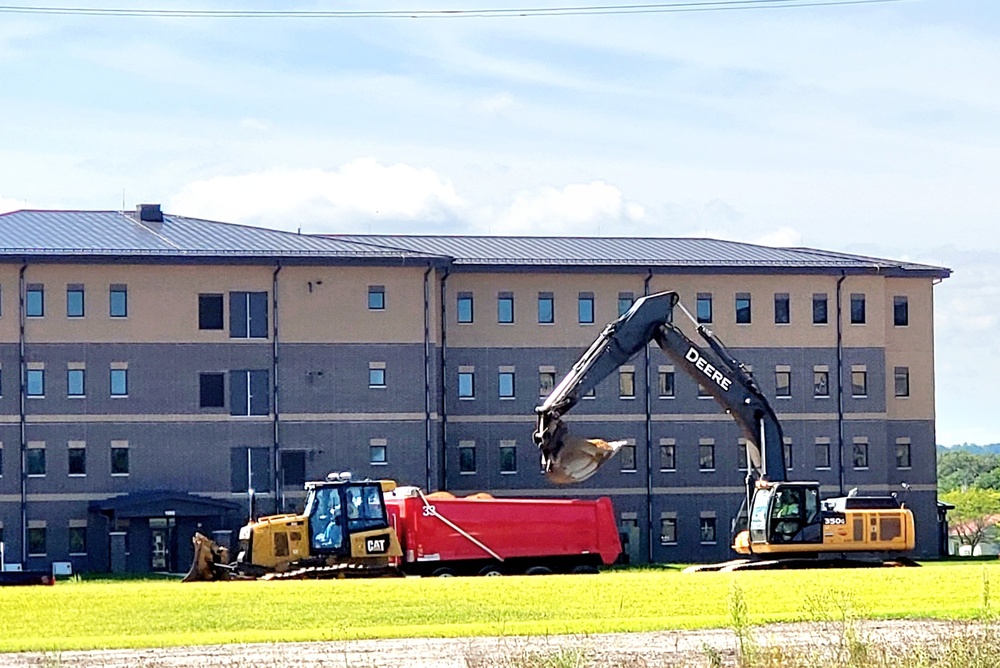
(581, 10)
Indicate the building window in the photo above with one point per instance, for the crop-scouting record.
(466, 385)
(37, 540)
(467, 457)
(34, 301)
(707, 529)
(376, 297)
(585, 308)
(704, 307)
(860, 454)
(377, 455)
(822, 454)
(900, 311)
(77, 540)
(249, 392)
(703, 392)
(546, 308)
(74, 301)
(821, 383)
(210, 314)
(626, 456)
(35, 385)
(626, 384)
(376, 374)
(77, 458)
(665, 383)
(119, 382)
(75, 382)
(505, 382)
(505, 308)
(464, 307)
(625, 301)
(903, 460)
(668, 530)
(857, 309)
(118, 301)
(119, 458)
(668, 456)
(782, 309)
(35, 459)
(546, 382)
(743, 308)
(789, 460)
(820, 313)
(782, 381)
(706, 456)
(742, 455)
(212, 390)
(248, 315)
(901, 374)
(293, 468)
(250, 468)
(508, 457)
(859, 382)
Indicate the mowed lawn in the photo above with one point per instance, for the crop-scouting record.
(157, 613)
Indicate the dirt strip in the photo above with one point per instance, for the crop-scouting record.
(634, 650)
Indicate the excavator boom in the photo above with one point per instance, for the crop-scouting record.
(567, 458)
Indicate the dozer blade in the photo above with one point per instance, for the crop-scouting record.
(576, 459)
(210, 561)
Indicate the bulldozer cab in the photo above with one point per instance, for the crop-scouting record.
(786, 512)
(338, 509)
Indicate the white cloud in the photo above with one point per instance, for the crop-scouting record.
(575, 209)
(257, 124)
(7, 204)
(494, 104)
(782, 237)
(360, 194)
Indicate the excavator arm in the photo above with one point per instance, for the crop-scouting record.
(570, 459)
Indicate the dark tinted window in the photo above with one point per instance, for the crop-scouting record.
(211, 390)
(210, 312)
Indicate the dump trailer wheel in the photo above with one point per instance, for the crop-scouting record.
(538, 570)
(443, 572)
(585, 569)
(490, 571)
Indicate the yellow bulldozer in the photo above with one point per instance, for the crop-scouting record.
(343, 532)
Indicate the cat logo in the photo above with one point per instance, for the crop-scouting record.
(377, 545)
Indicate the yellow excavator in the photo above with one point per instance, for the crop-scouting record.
(343, 532)
(788, 525)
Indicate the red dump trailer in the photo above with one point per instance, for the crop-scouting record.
(446, 535)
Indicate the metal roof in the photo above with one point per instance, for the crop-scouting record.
(122, 234)
(653, 252)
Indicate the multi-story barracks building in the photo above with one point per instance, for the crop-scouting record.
(155, 368)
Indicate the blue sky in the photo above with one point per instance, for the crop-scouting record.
(865, 128)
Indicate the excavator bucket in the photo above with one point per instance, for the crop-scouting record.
(208, 557)
(576, 459)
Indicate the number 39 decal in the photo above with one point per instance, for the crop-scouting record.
(429, 511)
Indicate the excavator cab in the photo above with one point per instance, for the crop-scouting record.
(786, 512)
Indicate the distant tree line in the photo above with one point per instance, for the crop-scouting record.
(969, 479)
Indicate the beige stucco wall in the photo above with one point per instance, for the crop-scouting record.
(163, 302)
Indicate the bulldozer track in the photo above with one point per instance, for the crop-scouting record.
(335, 571)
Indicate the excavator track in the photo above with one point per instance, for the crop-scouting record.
(800, 563)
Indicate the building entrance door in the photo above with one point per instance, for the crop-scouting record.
(162, 531)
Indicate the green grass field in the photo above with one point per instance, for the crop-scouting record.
(156, 613)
